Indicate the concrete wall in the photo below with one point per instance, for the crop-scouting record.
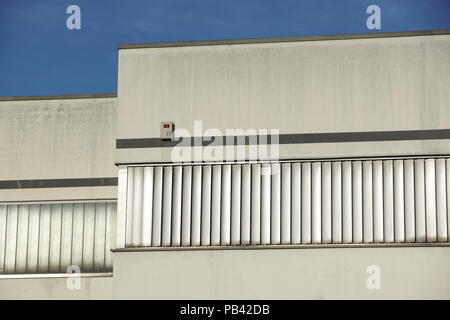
(354, 85)
(55, 288)
(57, 139)
(335, 273)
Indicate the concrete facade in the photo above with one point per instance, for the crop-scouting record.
(367, 84)
(334, 273)
(58, 138)
(329, 86)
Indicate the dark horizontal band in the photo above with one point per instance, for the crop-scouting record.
(284, 39)
(58, 183)
(290, 246)
(295, 138)
(60, 97)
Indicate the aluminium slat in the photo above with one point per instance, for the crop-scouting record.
(130, 205)
(186, 206)
(225, 218)
(357, 202)
(367, 188)
(265, 203)
(120, 235)
(167, 207)
(441, 201)
(147, 207)
(138, 181)
(111, 212)
(347, 230)
(157, 207)
(388, 201)
(3, 222)
(419, 191)
(378, 224)
(316, 202)
(33, 238)
(286, 203)
(22, 238)
(216, 185)
(99, 236)
(44, 238)
(196, 205)
(447, 169)
(256, 204)
(55, 237)
(410, 225)
(399, 200)
(336, 195)
(275, 223)
(11, 238)
(177, 194)
(77, 232)
(206, 206)
(306, 202)
(236, 204)
(326, 203)
(296, 194)
(246, 204)
(88, 237)
(430, 200)
(66, 236)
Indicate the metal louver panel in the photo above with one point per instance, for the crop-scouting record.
(290, 202)
(47, 238)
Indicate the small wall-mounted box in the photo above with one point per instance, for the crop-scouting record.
(167, 129)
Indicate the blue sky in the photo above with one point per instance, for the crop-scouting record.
(40, 56)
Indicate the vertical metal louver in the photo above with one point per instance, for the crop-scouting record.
(304, 202)
(47, 238)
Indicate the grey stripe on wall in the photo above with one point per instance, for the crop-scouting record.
(294, 138)
(58, 183)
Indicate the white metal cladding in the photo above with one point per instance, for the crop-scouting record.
(299, 202)
(47, 238)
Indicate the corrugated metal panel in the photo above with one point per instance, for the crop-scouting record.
(316, 203)
(326, 203)
(430, 200)
(286, 203)
(255, 224)
(306, 203)
(196, 206)
(147, 207)
(176, 205)
(206, 207)
(236, 205)
(215, 204)
(347, 229)
(419, 193)
(246, 204)
(275, 221)
(47, 238)
(410, 231)
(336, 209)
(357, 209)
(186, 213)
(351, 201)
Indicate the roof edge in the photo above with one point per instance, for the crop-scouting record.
(60, 97)
(284, 39)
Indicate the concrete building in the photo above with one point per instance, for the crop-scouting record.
(304, 167)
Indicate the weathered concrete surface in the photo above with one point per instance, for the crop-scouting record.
(406, 273)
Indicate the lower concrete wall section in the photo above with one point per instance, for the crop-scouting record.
(56, 288)
(335, 273)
